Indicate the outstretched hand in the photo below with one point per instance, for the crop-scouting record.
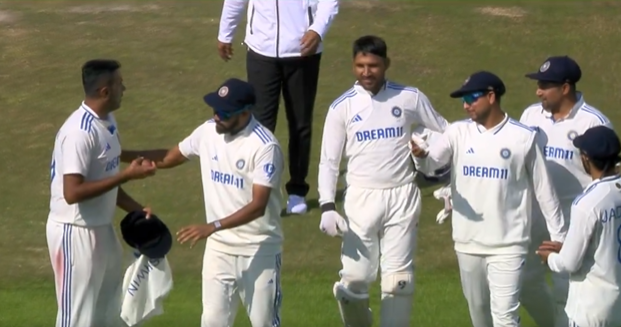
(195, 233)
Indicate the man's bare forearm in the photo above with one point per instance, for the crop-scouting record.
(126, 202)
(162, 158)
(243, 216)
(77, 191)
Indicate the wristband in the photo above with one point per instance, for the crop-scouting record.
(330, 206)
(217, 225)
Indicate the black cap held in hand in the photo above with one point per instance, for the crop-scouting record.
(150, 237)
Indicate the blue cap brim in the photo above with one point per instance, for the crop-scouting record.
(578, 142)
(538, 76)
(463, 91)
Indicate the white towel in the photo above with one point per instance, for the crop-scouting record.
(145, 285)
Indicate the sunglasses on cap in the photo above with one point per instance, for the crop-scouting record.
(472, 97)
(226, 115)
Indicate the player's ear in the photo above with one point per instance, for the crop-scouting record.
(387, 62)
(104, 92)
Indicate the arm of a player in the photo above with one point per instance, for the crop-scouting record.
(232, 11)
(326, 12)
(332, 144)
(427, 116)
(173, 157)
(126, 202)
(439, 155)
(76, 155)
(582, 226)
(162, 158)
(267, 174)
(544, 191)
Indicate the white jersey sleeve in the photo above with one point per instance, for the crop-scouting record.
(427, 116)
(190, 146)
(76, 148)
(439, 154)
(268, 166)
(544, 191)
(581, 229)
(332, 145)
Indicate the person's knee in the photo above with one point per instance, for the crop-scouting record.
(398, 284)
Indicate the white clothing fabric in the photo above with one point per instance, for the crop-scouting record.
(275, 28)
(230, 166)
(590, 255)
(374, 132)
(87, 264)
(228, 278)
(145, 286)
(491, 286)
(87, 145)
(562, 158)
(504, 162)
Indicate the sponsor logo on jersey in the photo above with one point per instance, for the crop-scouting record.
(486, 172)
(227, 179)
(379, 134)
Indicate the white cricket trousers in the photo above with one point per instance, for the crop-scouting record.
(382, 231)
(227, 279)
(87, 264)
(491, 286)
(546, 306)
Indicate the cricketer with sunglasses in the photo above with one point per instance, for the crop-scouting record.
(559, 118)
(241, 169)
(497, 169)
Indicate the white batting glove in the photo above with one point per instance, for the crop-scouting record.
(333, 224)
(444, 194)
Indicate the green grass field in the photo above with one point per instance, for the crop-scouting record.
(168, 50)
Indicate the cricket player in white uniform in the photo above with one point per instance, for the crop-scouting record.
(561, 115)
(497, 168)
(591, 253)
(241, 167)
(85, 252)
(372, 123)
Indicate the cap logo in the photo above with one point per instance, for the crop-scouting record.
(223, 91)
(544, 67)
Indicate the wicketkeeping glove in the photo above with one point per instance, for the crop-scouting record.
(444, 194)
(333, 224)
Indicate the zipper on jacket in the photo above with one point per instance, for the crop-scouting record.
(277, 31)
(310, 17)
(251, 19)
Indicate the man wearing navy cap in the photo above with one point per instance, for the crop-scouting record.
(241, 167)
(590, 254)
(491, 228)
(560, 116)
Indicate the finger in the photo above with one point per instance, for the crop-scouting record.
(185, 236)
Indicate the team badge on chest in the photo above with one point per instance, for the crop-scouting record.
(505, 153)
(240, 164)
(396, 111)
(571, 135)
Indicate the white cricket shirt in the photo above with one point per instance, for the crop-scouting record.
(230, 166)
(374, 131)
(89, 146)
(274, 28)
(592, 255)
(495, 173)
(562, 158)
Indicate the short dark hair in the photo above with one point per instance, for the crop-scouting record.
(370, 44)
(604, 164)
(96, 73)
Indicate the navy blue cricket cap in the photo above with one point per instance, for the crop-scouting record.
(232, 96)
(599, 142)
(558, 69)
(150, 237)
(481, 81)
